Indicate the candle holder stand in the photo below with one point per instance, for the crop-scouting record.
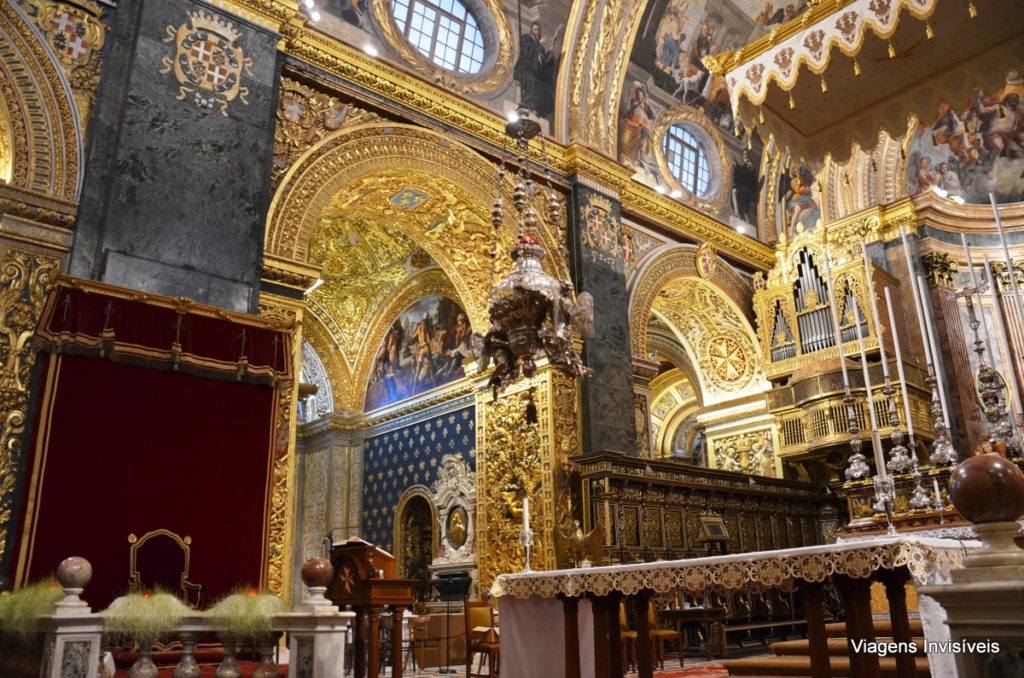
(526, 540)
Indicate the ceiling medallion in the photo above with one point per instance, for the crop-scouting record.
(532, 314)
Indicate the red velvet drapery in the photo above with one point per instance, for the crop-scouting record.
(128, 443)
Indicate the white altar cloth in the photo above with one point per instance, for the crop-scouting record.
(532, 639)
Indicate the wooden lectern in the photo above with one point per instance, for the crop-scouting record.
(364, 579)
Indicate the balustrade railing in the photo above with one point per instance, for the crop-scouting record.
(69, 643)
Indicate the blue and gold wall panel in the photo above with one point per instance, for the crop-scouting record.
(409, 453)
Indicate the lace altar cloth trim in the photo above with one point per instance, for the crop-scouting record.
(925, 558)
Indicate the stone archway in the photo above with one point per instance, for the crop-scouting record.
(416, 534)
(706, 313)
(420, 194)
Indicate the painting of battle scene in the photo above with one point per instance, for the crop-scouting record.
(973, 150)
(666, 70)
(424, 348)
(536, 61)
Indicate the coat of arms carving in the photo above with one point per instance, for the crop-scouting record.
(208, 64)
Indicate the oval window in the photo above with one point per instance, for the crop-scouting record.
(687, 160)
(444, 31)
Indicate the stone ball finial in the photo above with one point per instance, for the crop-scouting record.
(74, 572)
(317, 572)
(987, 488)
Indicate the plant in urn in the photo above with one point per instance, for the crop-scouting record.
(988, 490)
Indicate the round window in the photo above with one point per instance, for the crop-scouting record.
(444, 31)
(687, 160)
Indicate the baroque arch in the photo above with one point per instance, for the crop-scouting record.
(410, 534)
(45, 144)
(674, 263)
(391, 213)
(380, 155)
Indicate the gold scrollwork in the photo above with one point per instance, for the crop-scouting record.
(679, 262)
(510, 469)
(940, 269)
(47, 136)
(498, 59)
(25, 280)
(304, 117)
(281, 518)
(76, 35)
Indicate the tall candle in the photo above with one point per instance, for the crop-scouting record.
(933, 341)
(1006, 253)
(935, 486)
(870, 278)
(997, 317)
(876, 441)
(899, 364)
(833, 291)
(917, 299)
(526, 514)
(981, 309)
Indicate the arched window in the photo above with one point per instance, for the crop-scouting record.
(442, 30)
(687, 160)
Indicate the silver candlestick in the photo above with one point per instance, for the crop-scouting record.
(919, 498)
(885, 495)
(526, 540)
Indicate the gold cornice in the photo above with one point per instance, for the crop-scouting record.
(944, 214)
(288, 272)
(179, 304)
(270, 14)
(679, 220)
(880, 222)
(720, 64)
(482, 125)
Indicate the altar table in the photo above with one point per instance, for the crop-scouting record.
(569, 618)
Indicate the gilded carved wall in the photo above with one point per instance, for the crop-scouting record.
(288, 313)
(519, 458)
(75, 33)
(46, 133)
(26, 277)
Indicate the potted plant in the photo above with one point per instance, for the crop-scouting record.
(144, 617)
(20, 641)
(246, 618)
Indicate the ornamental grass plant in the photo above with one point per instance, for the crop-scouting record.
(145, 616)
(20, 610)
(246, 616)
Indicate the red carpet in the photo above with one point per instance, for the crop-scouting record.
(702, 671)
(209, 669)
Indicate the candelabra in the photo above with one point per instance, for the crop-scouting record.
(526, 540)
(991, 388)
(885, 496)
(942, 447)
(858, 463)
(940, 506)
(919, 498)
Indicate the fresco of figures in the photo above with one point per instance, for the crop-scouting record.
(667, 69)
(974, 150)
(798, 206)
(537, 60)
(423, 349)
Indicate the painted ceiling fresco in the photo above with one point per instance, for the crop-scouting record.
(667, 82)
(972, 149)
(528, 75)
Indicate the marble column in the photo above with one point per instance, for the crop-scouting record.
(609, 419)
(177, 180)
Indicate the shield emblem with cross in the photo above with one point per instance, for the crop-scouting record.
(208, 63)
(73, 35)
